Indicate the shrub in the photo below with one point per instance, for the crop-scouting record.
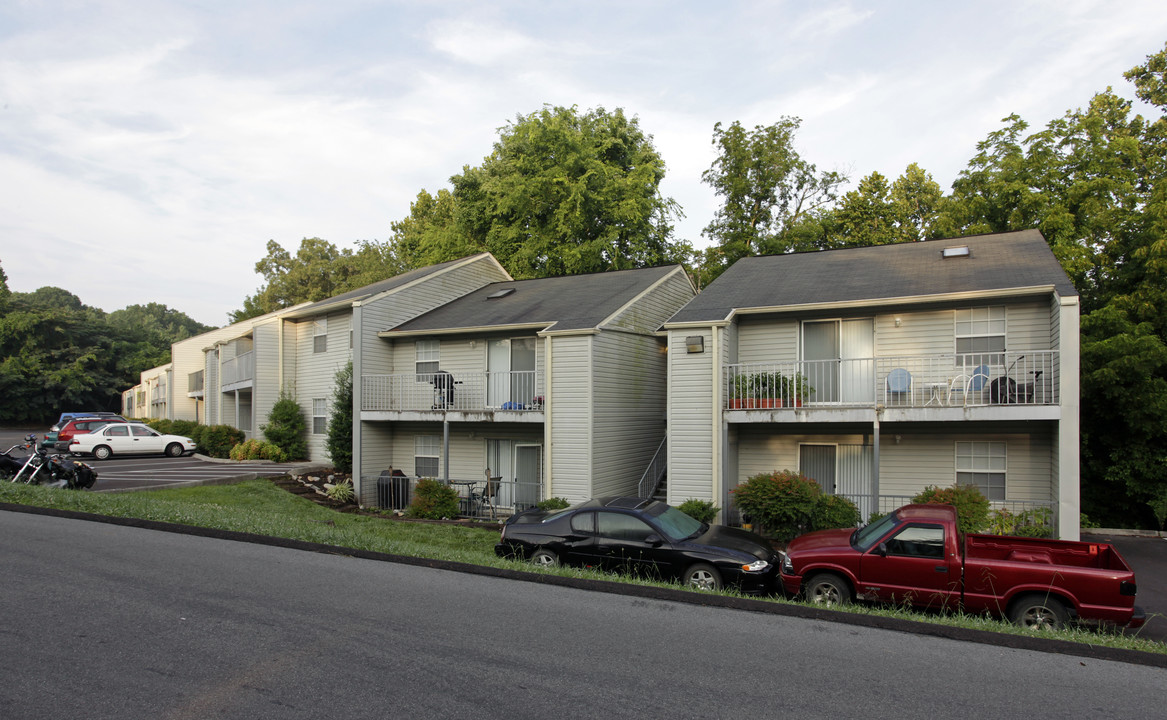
(972, 507)
(700, 510)
(555, 503)
(783, 502)
(217, 440)
(285, 427)
(340, 423)
(257, 450)
(834, 511)
(341, 491)
(433, 500)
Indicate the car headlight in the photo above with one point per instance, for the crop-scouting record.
(787, 565)
(756, 566)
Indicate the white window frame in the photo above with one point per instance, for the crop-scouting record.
(981, 463)
(320, 335)
(427, 357)
(978, 327)
(319, 416)
(427, 448)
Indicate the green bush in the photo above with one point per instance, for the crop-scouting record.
(433, 500)
(285, 427)
(555, 503)
(340, 423)
(217, 440)
(972, 507)
(782, 502)
(341, 491)
(257, 450)
(834, 511)
(700, 510)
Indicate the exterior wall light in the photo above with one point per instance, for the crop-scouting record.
(695, 343)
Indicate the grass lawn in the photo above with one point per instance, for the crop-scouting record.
(258, 507)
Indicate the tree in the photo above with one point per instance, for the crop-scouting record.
(767, 190)
(340, 422)
(318, 271)
(286, 427)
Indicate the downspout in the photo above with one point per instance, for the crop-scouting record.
(548, 399)
(720, 429)
(357, 468)
(875, 459)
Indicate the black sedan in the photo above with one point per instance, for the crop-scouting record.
(644, 537)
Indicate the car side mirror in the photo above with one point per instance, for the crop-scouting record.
(654, 540)
(881, 550)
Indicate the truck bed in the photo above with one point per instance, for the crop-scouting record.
(996, 548)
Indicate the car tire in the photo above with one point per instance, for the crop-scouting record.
(174, 450)
(702, 577)
(1039, 612)
(827, 589)
(101, 452)
(544, 558)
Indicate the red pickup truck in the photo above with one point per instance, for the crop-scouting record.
(917, 556)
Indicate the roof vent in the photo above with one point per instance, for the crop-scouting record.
(500, 293)
(958, 251)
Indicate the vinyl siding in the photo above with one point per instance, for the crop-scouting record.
(656, 305)
(266, 389)
(690, 414)
(762, 341)
(629, 411)
(570, 415)
(316, 372)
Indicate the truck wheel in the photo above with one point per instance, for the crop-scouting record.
(1039, 612)
(827, 589)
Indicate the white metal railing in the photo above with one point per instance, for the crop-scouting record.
(497, 499)
(1004, 378)
(650, 480)
(1008, 513)
(519, 390)
(239, 368)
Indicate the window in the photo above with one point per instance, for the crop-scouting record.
(118, 431)
(140, 431)
(980, 336)
(426, 359)
(584, 523)
(982, 464)
(426, 456)
(320, 335)
(618, 526)
(918, 541)
(319, 416)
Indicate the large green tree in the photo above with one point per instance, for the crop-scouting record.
(768, 193)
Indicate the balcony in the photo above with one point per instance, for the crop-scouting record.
(194, 384)
(490, 395)
(928, 382)
(238, 372)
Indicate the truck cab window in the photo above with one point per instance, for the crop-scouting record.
(918, 541)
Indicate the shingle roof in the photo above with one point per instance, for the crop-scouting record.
(571, 302)
(995, 262)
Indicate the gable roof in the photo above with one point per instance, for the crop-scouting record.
(569, 302)
(913, 270)
(346, 299)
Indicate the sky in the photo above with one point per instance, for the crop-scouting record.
(150, 149)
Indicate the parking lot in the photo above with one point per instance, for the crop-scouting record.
(150, 471)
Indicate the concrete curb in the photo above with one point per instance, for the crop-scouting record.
(1125, 532)
(1018, 642)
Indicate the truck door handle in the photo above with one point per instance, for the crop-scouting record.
(942, 568)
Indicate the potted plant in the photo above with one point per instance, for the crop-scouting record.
(795, 390)
(750, 391)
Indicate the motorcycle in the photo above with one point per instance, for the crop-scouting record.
(41, 468)
(9, 464)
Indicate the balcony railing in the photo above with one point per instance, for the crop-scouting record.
(499, 499)
(239, 368)
(520, 390)
(194, 381)
(1004, 378)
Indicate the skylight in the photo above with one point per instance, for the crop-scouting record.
(500, 293)
(958, 251)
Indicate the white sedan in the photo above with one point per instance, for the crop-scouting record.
(129, 439)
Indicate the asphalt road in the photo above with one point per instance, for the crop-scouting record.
(1147, 556)
(106, 621)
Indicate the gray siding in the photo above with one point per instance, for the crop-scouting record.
(656, 305)
(570, 415)
(267, 376)
(316, 372)
(629, 409)
(691, 418)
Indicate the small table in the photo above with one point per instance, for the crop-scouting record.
(937, 393)
(465, 501)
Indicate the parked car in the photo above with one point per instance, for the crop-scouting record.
(644, 537)
(130, 439)
(917, 555)
(60, 436)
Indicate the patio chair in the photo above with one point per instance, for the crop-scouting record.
(899, 387)
(970, 383)
(483, 497)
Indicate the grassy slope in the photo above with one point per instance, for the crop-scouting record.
(259, 507)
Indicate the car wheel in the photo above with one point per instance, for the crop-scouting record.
(101, 452)
(702, 577)
(544, 558)
(828, 589)
(174, 450)
(1039, 612)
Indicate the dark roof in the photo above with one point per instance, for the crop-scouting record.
(907, 270)
(570, 302)
(376, 288)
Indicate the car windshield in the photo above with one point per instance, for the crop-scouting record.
(865, 537)
(676, 524)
